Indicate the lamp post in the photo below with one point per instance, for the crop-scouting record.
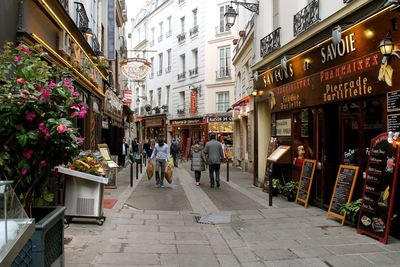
(230, 14)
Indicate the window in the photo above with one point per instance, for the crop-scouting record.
(160, 37)
(183, 63)
(275, 14)
(151, 97)
(152, 69)
(181, 105)
(159, 97)
(222, 26)
(168, 69)
(169, 32)
(182, 24)
(224, 62)
(194, 12)
(195, 57)
(168, 87)
(152, 37)
(160, 63)
(222, 101)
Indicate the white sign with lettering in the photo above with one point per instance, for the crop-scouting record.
(284, 127)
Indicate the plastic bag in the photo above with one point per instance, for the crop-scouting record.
(171, 161)
(150, 169)
(168, 173)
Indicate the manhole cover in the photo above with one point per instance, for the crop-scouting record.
(213, 218)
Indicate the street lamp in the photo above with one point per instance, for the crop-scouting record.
(386, 45)
(230, 14)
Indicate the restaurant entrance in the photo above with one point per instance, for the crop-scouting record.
(343, 135)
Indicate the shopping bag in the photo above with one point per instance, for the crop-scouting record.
(168, 173)
(171, 161)
(150, 169)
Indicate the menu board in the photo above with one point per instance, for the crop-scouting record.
(379, 189)
(343, 190)
(393, 122)
(306, 178)
(112, 174)
(393, 101)
(278, 153)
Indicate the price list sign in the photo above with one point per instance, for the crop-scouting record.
(343, 190)
(379, 189)
(306, 178)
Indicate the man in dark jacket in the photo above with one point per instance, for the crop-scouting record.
(174, 151)
(124, 151)
(215, 155)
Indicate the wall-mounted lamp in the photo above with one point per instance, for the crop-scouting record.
(336, 35)
(230, 14)
(254, 92)
(387, 48)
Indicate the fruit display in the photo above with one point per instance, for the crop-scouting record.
(87, 163)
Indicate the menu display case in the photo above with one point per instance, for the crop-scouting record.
(15, 226)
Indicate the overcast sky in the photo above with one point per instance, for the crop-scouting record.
(133, 7)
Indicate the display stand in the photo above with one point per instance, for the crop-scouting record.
(305, 182)
(83, 195)
(111, 160)
(279, 155)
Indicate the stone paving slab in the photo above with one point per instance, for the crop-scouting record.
(297, 263)
(348, 260)
(192, 260)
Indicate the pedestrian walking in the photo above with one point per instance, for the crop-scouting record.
(124, 152)
(198, 160)
(175, 147)
(215, 154)
(134, 149)
(147, 151)
(160, 153)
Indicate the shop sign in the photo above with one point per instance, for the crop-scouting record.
(149, 123)
(127, 100)
(351, 69)
(135, 68)
(220, 119)
(193, 102)
(220, 127)
(187, 122)
(104, 123)
(284, 127)
(113, 105)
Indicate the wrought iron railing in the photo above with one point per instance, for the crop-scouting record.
(181, 1)
(270, 43)
(223, 72)
(346, 1)
(96, 45)
(194, 30)
(306, 17)
(168, 34)
(182, 75)
(160, 38)
(180, 109)
(64, 3)
(168, 69)
(181, 37)
(193, 71)
(82, 19)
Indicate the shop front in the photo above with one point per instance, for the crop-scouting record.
(222, 126)
(154, 127)
(329, 101)
(188, 131)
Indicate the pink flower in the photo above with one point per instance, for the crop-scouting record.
(30, 116)
(75, 94)
(83, 112)
(52, 84)
(45, 93)
(17, 59)
(62, 128)
(21, 81)
(24, 49)
(80, 139)
(43, 163)
(80, 110)
(67, 82)
(24, 171)
(44, 130)
(27, 153)
(70, 89)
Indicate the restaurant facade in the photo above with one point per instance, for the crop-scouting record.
(332, 96)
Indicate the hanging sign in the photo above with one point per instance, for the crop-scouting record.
(193, 102)
(379, 188)
(135, 68)
(127, 97)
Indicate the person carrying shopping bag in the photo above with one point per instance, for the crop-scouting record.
(198, 160)
(161, 154)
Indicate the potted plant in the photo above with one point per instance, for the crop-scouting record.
(276, 187)
(351, 210)
(242, 33)
(235, 41)
(290, 190)
(38, 105)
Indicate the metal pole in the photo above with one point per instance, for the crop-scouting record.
(137, 171)
(141, 164)
(131, 174)
(270, 183)
(227, 170)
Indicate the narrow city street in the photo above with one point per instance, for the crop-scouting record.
(148, 226)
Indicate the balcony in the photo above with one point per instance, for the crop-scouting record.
(96, 45)
(168, 69)
(168, 34)
(181, 109)
(181, 1)
(182, 75)
(223, 73)
(151, 43)
(82, 19)
(193, 72)
(65, 4)
(181, 37)
(151, 75)
(160, 38)
(306, 18)
(270, 43)
(159, 72)
(194, 30)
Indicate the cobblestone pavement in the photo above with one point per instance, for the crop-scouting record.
(156, 227)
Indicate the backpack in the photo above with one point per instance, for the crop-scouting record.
(174, 146)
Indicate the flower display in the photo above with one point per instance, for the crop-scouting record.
(38, 107)
(88, 163)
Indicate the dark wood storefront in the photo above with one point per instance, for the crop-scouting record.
(332, 100)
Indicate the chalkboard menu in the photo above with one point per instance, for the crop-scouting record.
(305, 182)
(112, 174)
(379, 189)
(393, 101)
(393, 122)
(343, 190)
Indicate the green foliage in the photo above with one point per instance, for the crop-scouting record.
(290, 189)
(38, 105)
(351, 209)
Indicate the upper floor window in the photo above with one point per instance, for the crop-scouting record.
(153, 34)
(169, 59)
(194, 12)
(160, 63)
(151, 97)
(169, 32)
(222, 101)
(183, 63)
(222, 10)
(168, 87)
(224, 62)
(159, 97)
(161, 31)
(182, 24)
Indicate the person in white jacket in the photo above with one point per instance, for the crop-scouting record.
(161, 153)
